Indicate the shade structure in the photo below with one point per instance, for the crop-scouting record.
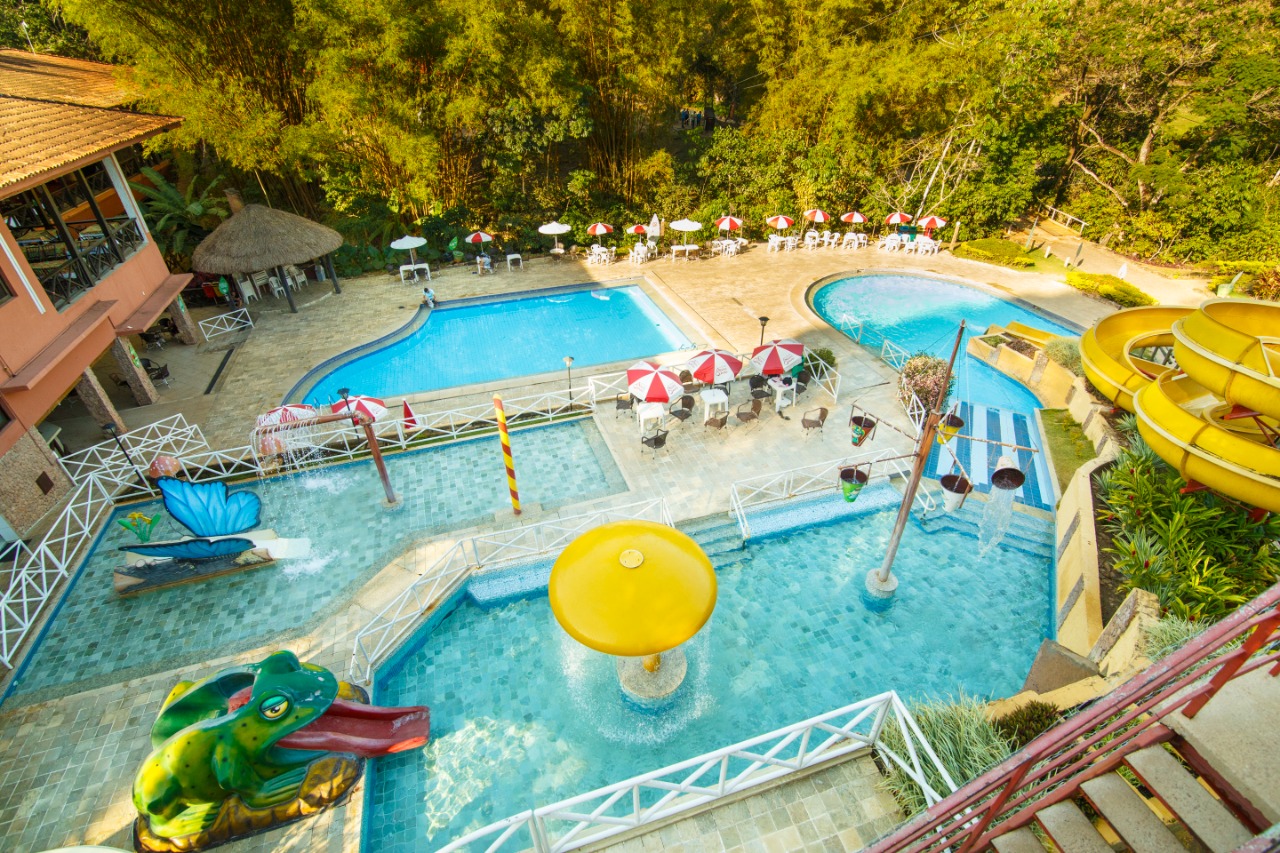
(288, 413)
(554, 229)
(596, 229)
(777, 356)
(780, 221)
(632, 588)
(409, 244)
(817, 216)
(931, 222)
(358, 404)
(714, 366)
(853, 217)
(478, 237)
(649, 382)
(257, 238)
(686, 225)
(636, 229)
(728, 223)
(897, 218)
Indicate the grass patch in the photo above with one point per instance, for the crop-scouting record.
(1109, 287)
(994, 250)
(1068, 444)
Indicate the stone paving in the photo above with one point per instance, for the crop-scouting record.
(67, 764)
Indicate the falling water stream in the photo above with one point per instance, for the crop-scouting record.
(996, 517)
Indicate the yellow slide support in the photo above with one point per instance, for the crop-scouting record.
(1227, 355)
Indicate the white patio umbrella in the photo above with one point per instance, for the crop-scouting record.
(555, 229)
(411, 244)
(686, 225)
(715, 366)
(649, 382)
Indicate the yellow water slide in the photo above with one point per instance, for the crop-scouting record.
(1210, 416)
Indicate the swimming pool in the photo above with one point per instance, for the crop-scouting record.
(522, 715)
(498, 339)
(922, 314)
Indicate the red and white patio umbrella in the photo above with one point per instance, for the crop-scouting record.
(931, 222)
(817, 216)
(599, 229)
(410, 418)
(636, 229)
(897, 218)
(714, 366)
(478, 237)
(777, 356)
(286, 414)
(358, 404)
(853, 217)
(728, 223)
(779, 221)
(653, 384)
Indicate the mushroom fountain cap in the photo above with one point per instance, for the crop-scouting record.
(632, 588)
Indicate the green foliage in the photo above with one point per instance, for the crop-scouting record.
(1066, 352)
(47, 27)
(1109, 287)
(1168, 634)
(1068, 444)
(993, 250)
(822, 354)
(963, 738)
(179, 220)
(1266, 286)
(1202, 556)
(923, 375)
(1022, 725)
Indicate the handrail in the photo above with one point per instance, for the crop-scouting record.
(487, 550)
(891, 353)
(1052, 767)
(1054, 213)
(662, 794)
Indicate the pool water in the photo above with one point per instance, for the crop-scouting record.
(523, 716)
(98, 637)
(923, 314)
(488, 341)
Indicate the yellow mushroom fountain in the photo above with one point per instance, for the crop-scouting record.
(636, 590)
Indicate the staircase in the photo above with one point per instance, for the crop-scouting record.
(1027, 533)
(720, 539)
(1183, 757)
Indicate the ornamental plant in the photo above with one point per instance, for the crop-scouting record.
(923, 375)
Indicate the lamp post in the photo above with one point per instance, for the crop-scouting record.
(764, 321)
(111, 430)
(568, 369)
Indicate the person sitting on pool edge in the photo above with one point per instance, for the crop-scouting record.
(428, 297)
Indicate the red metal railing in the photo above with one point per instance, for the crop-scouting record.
(1052, 767)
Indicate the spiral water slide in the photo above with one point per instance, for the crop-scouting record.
(1214, 417)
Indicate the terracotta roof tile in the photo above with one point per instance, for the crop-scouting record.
(57, 78)
(38, 137)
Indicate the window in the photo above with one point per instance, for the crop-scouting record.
(6, 293)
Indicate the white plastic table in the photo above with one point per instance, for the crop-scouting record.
(713, 399)
(412, 271)
(687, 250)
(650, 412)
(781, 385)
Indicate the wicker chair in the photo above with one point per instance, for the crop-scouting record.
(814, 419)
(624, 403)
(719, 423)
(655, 442)
(745, 415)
(682, 409)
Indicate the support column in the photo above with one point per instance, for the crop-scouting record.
(131, 369)
(188, 332)
(288, 288)
(96, 401)
(333, 273)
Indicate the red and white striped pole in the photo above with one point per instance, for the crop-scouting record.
(505, 437)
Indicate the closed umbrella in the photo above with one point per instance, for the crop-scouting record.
(777, 356)
(288, 413)
(715, 366)
(780, 222)
(649, 382)
(411, 244)
(358, 404)
(817, 216)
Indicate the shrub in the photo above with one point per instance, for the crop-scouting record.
(822, 354)
(1021, 726)
(1203, 557)
(1170, 633)
(1066, 352)
(922, 374)
(963, 738)
(1266, 286)
(1109, 287)
(993, 250)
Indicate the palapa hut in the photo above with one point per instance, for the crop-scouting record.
(256, 238)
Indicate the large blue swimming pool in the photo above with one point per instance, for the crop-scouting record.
(493, 340)
(922, 314)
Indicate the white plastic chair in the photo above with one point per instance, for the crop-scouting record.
(811, 240)
(519, 260)
(828, 239)
(775, 243)
(850, 239)
(793, 243)
(247, 292)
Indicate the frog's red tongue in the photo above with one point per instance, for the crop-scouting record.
(365, 730)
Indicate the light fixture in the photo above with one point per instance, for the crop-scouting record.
(764, 321)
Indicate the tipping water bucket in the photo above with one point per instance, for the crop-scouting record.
(948, 427)
(851, 482)
(955, 489)
(1007, 476)
(861, 428)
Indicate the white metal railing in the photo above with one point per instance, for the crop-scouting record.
(398, 618)
(104, 461)
(224, 323)
(772, 489)
(662, 794)
(890, 353)
(917, 412)
(37, 571)
(1067, 218)
(893, 355)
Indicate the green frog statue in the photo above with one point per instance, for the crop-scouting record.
(257, 746)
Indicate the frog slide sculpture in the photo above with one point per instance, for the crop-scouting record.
(257, 746)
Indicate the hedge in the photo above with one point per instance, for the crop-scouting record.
(1109, 287)
(994, 251)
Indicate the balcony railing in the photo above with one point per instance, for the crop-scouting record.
(96, 256)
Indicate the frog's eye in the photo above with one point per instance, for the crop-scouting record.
(273, 707)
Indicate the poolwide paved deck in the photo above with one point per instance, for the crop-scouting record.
(67, 764)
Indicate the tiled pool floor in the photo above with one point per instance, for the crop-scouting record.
(98, 637)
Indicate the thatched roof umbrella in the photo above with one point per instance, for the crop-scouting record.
(257, 238)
